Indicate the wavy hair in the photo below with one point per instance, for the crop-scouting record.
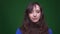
(29, 27)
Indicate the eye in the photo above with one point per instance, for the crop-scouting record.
(31, 12)
(38, 11)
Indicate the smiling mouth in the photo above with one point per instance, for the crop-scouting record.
(34, 18)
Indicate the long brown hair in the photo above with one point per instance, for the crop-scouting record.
(29, 27)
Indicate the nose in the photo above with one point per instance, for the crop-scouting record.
(34, 14)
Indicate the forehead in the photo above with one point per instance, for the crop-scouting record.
(36, 7)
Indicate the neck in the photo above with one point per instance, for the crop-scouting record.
(32, 24)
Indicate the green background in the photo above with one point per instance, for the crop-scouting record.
(12, 14)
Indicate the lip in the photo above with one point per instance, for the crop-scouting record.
(34, 18)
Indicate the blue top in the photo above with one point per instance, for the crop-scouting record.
(19, 31)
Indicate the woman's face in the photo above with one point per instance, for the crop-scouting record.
(35, 14)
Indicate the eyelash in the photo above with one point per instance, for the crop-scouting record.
(30, 12)
(38, 11)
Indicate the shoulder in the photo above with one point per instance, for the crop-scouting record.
(50, 31)
(18, 31)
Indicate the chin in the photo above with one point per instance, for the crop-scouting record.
(35, 21)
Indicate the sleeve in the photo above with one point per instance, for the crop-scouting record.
(18, 31)
(50, 31)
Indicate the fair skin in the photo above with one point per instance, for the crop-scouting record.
(35, 14)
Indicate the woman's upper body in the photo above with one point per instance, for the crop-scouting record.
(34, 22)
(18, 31)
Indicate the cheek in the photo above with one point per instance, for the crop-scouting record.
(30, 15)
(39, 15)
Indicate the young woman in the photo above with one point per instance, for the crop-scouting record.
(34, 22)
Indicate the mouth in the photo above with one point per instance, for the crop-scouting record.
(34, 18)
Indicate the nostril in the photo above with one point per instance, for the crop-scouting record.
(34, 16)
